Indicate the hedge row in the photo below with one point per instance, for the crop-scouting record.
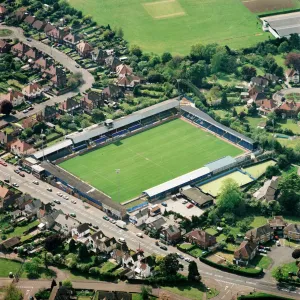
(262, 297)
(245, 272)
(279, 13)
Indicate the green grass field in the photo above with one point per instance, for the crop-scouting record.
(176, 25)
(148, 159)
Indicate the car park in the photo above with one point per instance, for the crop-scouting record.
(49, 189)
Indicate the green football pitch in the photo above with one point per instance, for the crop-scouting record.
(148, 159)
(175, 25)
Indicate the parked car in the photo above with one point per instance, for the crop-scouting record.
(262, 250)
(139, 234)
(22, 174)
(49, 189)
(96, 226)
(73, 201)
(268, 248)
(3, 163)
(6, 180)
(278, 243)
(73, 215)
(180, 255)
(121, 240)
(59, 194)
(15, 184)
(29, 40)
(57, 201)
(163, 247)
(187, 259)
(190, 205)
(106, 218)
(157, 243)
(35, 182)
(17, 171)
(184, 202)
(164, 204)
(52, 203)
(66, 197)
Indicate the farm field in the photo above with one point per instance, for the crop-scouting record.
(148, 159)
(176, 25)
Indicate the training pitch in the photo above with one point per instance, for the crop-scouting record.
(148, 159)
(176, 25)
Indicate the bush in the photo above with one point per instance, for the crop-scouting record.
(8, 230)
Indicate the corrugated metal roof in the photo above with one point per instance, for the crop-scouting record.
(178, 181)
(220, 163)
(49, 150)
(198, 113)
(93, 131)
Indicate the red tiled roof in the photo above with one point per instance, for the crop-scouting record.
(11, 95)
(3, 44)
(21, 146)
(31, 88)
(245, 250)
(3, 192)
(84, 47)
(38, 25)
(29, 19)
(48, 27)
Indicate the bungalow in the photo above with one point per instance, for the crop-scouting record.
(277, 224)
(268, 190)
(112, 62)
(7, 197)
(19, 49)
(71, 40)
(92, 100)
(84, 49)
(171, 234)
(128, 81)
(48, 27)
(123, 70)
(9, 244)
(21, 148)
(101, 243)
(32, 91)
(57, 34)
(69, 105)
(29, 20)
(112, 92)
(4, 46)
(288, 109)
(39, 25)
(140, 217)
(98, 55)
(260, 235)
(245, 252)
(259, 81)
(81, 231)
(292, 232)
(201, 238)
(16, 98)
(43, 63)
(33, 54)
(292, 75)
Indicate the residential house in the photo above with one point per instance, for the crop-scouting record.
(71, 40)
(91, 101)
(16, 214)
(201, 238)
(20, 14)
(128, 81)
(271, 78)
(8, 136)
(21, 148)
(43, 63)
(268, 190)
(113, 295)
(112, 62)
(266, 106)
(171, 234)
(4, 46)
(3, 12)
(19, 49)
(52, 71)
(84, 49)
(32, 207)
(69, 105)
(33, 54)
(155, 224)
(292, 232)
(7, 197)
(292, 76)
(140, 217)
(123, 70)
(245, 252)
(32, 91)
(9, 244)
(16, 98)
(59, 80)
(63, 293)
(57, 34)
(98, 55)
(112, 92)
(29, 122)
(48, 27)
(288, 109)
(48, 114)
(81, 230)
(130, 261)
(260, 235)
(44, 210)
(277, 224)
(117, 255)
(29, 19)
(101, 243)
(259, 81)
(39, 25)
(22, 201)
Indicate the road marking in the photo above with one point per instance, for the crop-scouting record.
(249, 282)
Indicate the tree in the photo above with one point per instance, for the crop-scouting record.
(282, 161)
(169, 264)
(33, 267)
(252, 110)
(272, 117)
(224, 100)
(197, 72)
(83, 252)
(53, 242)
(11, 292)
(248, 72)
(74, 80)
(136, 50)
(230, 198)
(72, 245)
(67, 283)
(272, 171)
(119, 32)
(294, 41)
(194, 274)
(296, 254)
(166, 56)
(6, 107)
(223, 62)
(97, 115)
(84, 123)
(283, 47)
(146, 292)
(293, 59)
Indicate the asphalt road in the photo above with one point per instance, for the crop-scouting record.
(63, 59)
(90, 214)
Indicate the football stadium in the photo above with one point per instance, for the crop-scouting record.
(150, 153)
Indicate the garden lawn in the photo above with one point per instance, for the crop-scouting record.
(290, 124)
(21, 229)
(186, 246)
(148, 159)
(261, 261)
(191, 292)
(195, 252)
(107, 267)
(211, 231)
(7, 266)
(176, 25)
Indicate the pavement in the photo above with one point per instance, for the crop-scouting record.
(90, 214)
(58, 56)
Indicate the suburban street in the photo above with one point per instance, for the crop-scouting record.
(90, 214)
(61, 58)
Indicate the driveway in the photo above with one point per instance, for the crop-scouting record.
(63, 59)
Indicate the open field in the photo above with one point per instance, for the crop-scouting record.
(214, 187)
(176, 25)
(148, 159)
